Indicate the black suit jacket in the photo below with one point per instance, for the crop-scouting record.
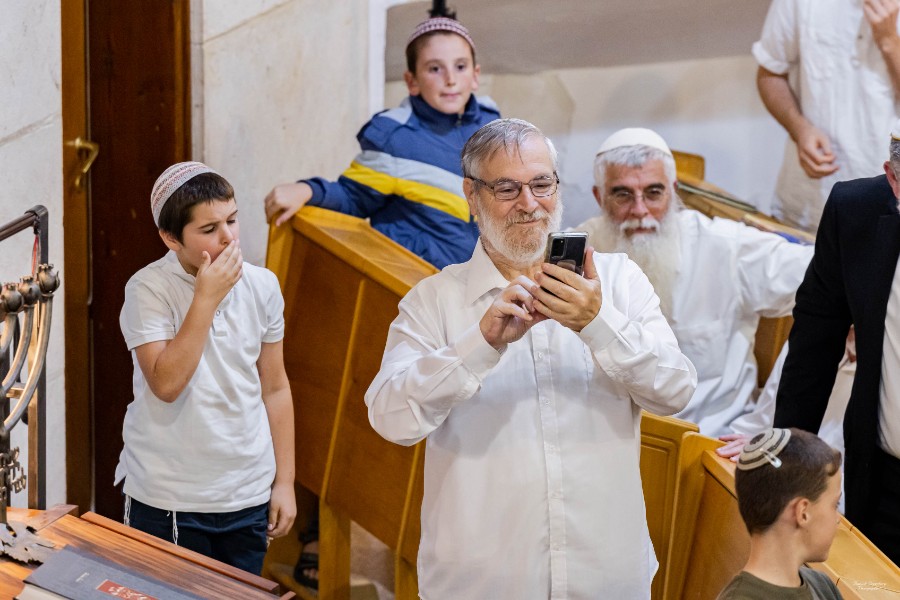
(847, 282)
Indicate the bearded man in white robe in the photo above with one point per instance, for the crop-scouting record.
(715, 278)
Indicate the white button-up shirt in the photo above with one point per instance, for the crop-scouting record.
(532, 481)
(842, 84)
(889, 391)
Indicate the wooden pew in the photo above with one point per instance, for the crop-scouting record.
(326, 262)
(709, 543)
(342, 281)
(661, 440)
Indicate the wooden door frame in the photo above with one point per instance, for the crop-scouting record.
(81, 397)
(76, 257)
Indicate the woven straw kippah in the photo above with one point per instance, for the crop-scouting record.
(764, 448)
(441, 24)
(171, 179)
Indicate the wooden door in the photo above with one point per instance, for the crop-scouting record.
(136, 60)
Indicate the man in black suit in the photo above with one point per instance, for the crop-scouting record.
(851, 281)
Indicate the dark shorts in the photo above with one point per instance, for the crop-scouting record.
(237, 538)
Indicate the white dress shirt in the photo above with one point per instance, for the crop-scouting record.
(532, 480)
(889, 392)
(843, 87)
(729, 276)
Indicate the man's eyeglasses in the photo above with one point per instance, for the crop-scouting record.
(652, 196)
(505, 190)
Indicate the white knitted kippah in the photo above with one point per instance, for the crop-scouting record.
(634, 136)
(171, 179)
(441, 24)
(764, 448)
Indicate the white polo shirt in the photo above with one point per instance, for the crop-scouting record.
(211, 449)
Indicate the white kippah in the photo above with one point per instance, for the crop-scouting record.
(634, 136)
(171, 179)
(895, 132)
(764, 448)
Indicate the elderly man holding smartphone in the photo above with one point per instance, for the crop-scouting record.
(529, 399)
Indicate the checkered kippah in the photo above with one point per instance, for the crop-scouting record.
(764, 448)
(171, 179)
(441, 24)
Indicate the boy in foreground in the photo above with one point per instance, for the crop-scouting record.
(788, 484)
(208, 461)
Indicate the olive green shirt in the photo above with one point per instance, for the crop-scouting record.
(815, 586)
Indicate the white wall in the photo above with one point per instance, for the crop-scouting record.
(280, 91)
(708, 107)
(30, 174)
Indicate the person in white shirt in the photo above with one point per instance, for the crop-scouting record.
(829, 72)
(208, 460)
(714, 277)
(527, 382)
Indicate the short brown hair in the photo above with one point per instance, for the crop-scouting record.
(414, 47)
(807, 463)
(178, 210)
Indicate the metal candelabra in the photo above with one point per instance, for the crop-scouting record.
(25, 311)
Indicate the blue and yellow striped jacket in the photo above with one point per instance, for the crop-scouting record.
(407, 180)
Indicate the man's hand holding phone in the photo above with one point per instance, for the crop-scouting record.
(568, 298)
(511, 315)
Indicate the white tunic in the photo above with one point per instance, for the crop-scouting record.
(532, 481)
(211, 449)
(843, 87)
(730, 276)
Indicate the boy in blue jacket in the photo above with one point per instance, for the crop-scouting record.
(407, 179)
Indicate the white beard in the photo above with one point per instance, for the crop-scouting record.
(658, 254)
(524, 250)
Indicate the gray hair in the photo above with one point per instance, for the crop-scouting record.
(631, 156)
(505, 134)
(895, 155)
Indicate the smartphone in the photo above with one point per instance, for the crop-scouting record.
(566, 249)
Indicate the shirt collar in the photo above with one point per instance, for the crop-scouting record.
(436, 118)
(484, 276)
(174, 266)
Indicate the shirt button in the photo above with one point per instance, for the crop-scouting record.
(218, 312)
(540, 356)
(555, 547)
